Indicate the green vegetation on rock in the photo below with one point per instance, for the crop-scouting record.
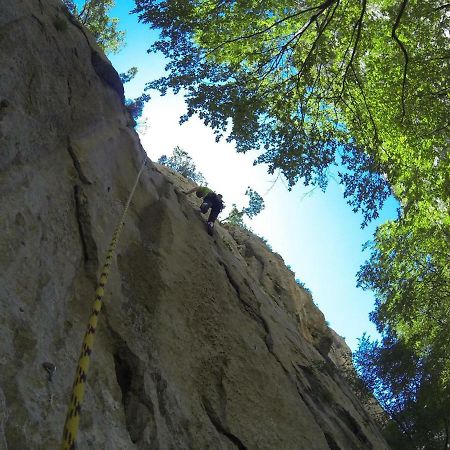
(94, 15)
(182, 162)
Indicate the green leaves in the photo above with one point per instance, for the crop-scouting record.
(126, 77)
(409, 272)
(94, 15)
(255, 203)
(182, 162)
(236, 216)
(309, 82)
(255, 206)
(409, 388)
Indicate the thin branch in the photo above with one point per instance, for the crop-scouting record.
(273, 182)
(355, 112)
(366, 105)
(435, 131)
(319, 71)
(444, 6)
(84, 15)
(84, 8)
(358, 38)
(321, 30)
(313, 19)
(322, 6)
(405, 54)
(437, 58)
(343, 60)
(446, 425)
(275, 63)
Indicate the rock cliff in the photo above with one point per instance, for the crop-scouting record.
(203, 343)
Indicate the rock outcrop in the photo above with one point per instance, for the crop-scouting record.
(203, 343)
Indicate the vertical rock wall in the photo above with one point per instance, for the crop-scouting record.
(203, 343)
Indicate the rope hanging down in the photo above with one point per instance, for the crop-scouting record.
(76, 399)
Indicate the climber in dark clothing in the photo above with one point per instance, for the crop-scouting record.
(210, 200)
(213, 201)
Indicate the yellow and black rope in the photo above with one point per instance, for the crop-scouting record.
(76, 399)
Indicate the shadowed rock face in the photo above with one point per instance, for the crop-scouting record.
(203, 343)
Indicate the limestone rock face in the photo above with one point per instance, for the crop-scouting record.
(203, 343)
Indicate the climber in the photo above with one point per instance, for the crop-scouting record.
(210, 200)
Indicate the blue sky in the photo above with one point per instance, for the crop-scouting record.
(316, 233)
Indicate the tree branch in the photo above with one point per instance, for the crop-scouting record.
(321, 30)
(278, 57)
(444, 6)
(84, 14)
(358, 37)
(405, 54)
(446, 425)
(366, 105)
(321, 7)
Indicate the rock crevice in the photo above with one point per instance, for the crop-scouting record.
(220, 427)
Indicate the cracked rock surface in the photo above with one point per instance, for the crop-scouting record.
(203, 343)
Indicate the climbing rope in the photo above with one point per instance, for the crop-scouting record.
(76, 399)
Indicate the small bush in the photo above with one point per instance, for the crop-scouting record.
(182, 162)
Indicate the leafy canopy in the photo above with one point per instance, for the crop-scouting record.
(318, 83)
(410, 389)
(127, 76)
(136, 106)
(409, 272)
(182, 162)
(255, 206)
(94, 15)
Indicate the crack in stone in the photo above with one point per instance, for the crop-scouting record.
(76, 163)
(88, 243)
(137, 405)
(256, 315)
(220, 427)
(69, 93)
(41, 24)
(343, 419)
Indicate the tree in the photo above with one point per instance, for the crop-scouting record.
(136, 107)
(126, 77)
(410, 389)
(182, 162)
(255, 206)
(94, 15)
(409, 272)
(236, 216)
(255, 203)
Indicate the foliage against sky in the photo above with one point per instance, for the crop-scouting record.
(94, 15)
(182, 162)
(255, 206)
(314, 83)
(409, 387)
